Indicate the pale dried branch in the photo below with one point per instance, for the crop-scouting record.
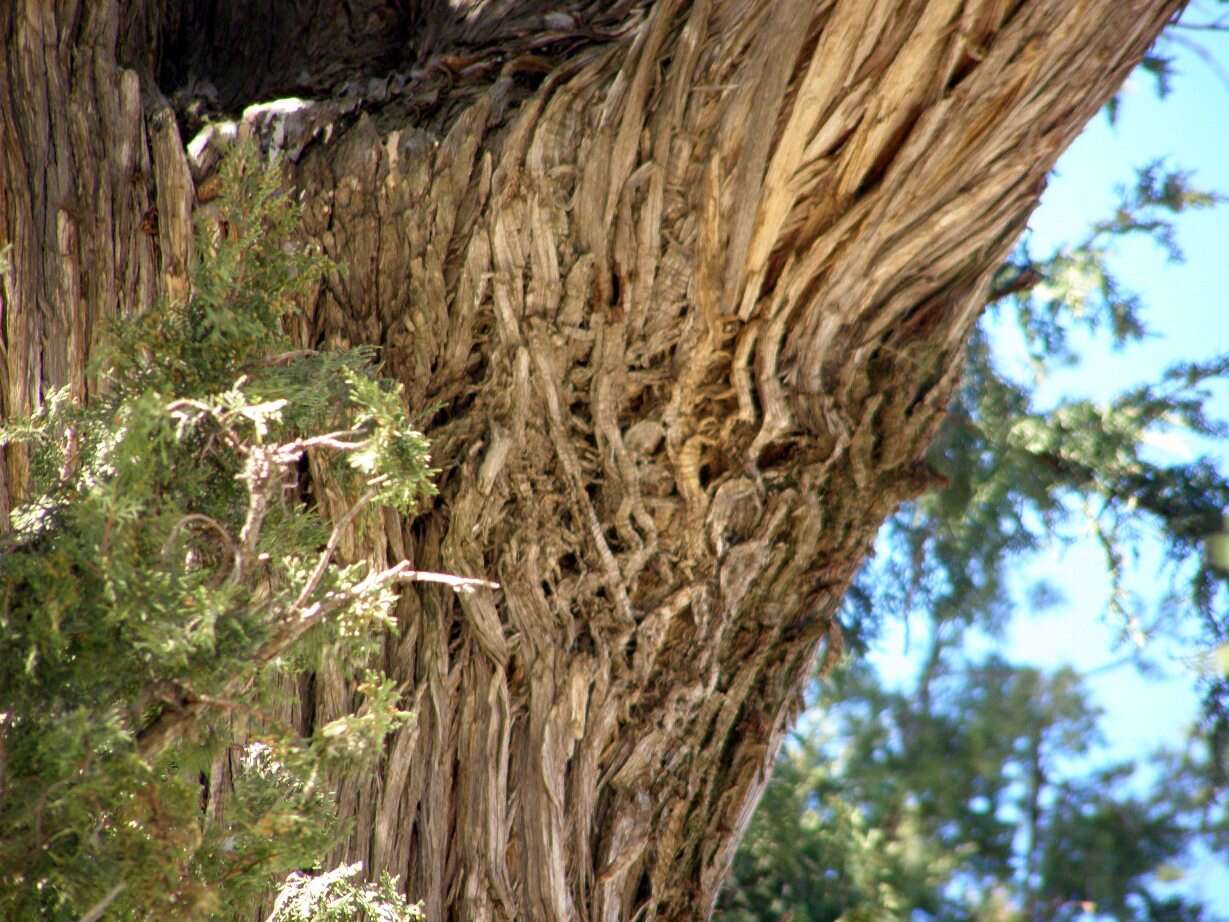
(295, 626)
(96, 911)
(298, 621)
(285, 358)
(326, 556)
(457, 583)
(261, 474)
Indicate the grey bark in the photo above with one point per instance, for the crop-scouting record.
(686, 286)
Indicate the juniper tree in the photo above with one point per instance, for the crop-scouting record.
(681, 292)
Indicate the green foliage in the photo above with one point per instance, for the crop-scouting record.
(165, 568)
(811, 850)
(955, 800)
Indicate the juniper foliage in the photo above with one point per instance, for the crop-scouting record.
(163, 573)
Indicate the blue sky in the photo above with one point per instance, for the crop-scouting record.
(1187, 309)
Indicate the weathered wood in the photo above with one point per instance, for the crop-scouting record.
(688, 283)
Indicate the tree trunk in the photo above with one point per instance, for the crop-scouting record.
(680, 289)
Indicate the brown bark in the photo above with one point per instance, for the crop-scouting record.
(687, 284)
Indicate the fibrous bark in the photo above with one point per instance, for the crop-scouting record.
(681, 289)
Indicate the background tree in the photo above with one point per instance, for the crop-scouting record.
(684, 288)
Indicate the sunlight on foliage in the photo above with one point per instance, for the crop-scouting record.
(166, 561)
(332, 897)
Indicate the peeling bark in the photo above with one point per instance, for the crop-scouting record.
(686, 286)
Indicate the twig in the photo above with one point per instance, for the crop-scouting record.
(1206, 56)
(295, 626)
(153, 738)
(96, 911)
(324, 441)
(285, 358)
(259, 472)
(326, 555)
(189, 519)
